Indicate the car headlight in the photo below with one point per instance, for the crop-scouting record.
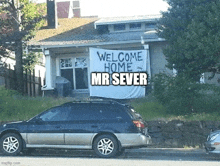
(213, 137)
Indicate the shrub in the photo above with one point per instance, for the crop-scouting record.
(182, 96)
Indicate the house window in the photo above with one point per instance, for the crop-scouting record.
(150, 26)
(135, 26)
(66, 63)
(76, 71)
(80, 62)
(66, 67)
(75, 4)
(119, 27)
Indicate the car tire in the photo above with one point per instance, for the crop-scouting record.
(11, 144)
(105, 146)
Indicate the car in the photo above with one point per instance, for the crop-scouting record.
(212, 145)
(107, 127)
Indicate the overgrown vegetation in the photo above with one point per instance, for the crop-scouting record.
(190, 28)
(178, 98)
(14, 107)
(178, 94)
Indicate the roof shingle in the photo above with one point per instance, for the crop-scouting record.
(81, 31)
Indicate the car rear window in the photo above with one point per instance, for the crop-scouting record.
(133, 114)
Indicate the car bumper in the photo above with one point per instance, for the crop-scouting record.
(212, 147)
(133, 140)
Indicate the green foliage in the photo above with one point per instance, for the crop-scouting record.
(183, 97)
(24, 19)
(31, 59)
(150, 110)
(31, 15)
(14, 106)
(191, 29)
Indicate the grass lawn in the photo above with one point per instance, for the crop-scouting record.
(14, 107)
(150, 110)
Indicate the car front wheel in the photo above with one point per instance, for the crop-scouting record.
(11, 144)
(105, 146)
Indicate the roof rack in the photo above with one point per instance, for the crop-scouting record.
(101, 101)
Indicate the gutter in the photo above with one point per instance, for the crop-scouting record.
(88, 45)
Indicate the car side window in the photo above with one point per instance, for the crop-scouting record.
(56, 114)
(113, 112)
(83, 112)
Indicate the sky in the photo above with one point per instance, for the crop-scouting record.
(114, 8)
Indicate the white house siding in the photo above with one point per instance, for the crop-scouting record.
(54, 69)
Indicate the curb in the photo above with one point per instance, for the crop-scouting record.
(170, 150)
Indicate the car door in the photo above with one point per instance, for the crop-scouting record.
(82, 126)
(47, 128)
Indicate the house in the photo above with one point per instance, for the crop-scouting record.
(71, 51)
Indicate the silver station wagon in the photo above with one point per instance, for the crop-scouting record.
(212, 145)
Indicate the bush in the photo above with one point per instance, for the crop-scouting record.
(181, 96)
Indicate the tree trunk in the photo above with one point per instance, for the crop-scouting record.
(18, 49)
(19, 67)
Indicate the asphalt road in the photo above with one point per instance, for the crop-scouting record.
(131, 157)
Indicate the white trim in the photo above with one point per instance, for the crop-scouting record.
(48, 66)
(89, 45)
(45, 88)
(146, 47)
(104, 43)
(143, 40)
(58, 67)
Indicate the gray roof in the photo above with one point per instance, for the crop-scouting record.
(88, 35)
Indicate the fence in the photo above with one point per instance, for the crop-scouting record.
(32, 84)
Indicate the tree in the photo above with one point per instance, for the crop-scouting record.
(22, 20)
(191, 28)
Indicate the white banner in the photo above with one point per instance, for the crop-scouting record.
(126, 65)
